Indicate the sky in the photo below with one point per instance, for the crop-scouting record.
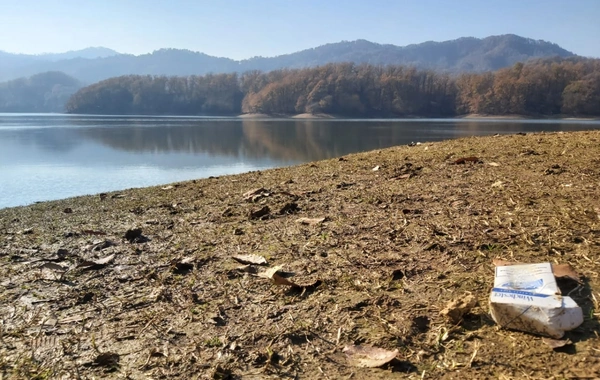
(241, 29)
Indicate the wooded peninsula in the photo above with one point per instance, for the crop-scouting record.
(539, 88)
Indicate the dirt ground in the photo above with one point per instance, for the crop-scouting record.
(142, 284)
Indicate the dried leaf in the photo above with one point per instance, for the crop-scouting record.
(250, 259)
(458, 307)
(366, 356)
(310, 221)
(464, 160)
(566, 270)
(248, 269)
(97, 264)
(53, 266)
(556, 343)
(254, 194)
(274, 274)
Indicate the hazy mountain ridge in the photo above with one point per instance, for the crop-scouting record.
(466, 54)
(45, 92)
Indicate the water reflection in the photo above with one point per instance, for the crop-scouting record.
(293, 140)
(46, 157)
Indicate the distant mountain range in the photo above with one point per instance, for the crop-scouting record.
(461, 55)
(45, 92)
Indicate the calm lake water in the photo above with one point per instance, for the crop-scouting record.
(46, 157)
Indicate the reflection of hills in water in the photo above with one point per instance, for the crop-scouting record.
(282, 140)
(290, 140)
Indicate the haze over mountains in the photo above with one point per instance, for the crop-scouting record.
(461, 55)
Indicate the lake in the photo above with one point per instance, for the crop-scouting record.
(47, 157)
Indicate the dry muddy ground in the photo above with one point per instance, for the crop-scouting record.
(142, 283)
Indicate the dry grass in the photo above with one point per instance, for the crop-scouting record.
(396, 245)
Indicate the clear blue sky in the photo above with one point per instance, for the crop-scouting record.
(244, 28)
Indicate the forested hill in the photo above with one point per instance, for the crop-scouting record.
(461, 55)
(46, 92)
(544, 87)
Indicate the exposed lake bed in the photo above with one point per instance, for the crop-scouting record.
(378, 241)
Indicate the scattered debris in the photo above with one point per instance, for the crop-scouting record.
(310, 221)
(458, 307)
(464, 160)
(406, 171)
(256, 194)
(250, 259)
(555, 169)
(495, 164)
(278, 277)
(97, 264)
(93, 232)
(170, 187)
(248, 269)
(260, 213)
(556, 343)
(133, 235)
(107, 359)
(99, 245)
(53, 266)
(525, 297)
(68, 210)
(367, 356)
(376, 168)
(289, 208)
(344, 185)
(183, 266)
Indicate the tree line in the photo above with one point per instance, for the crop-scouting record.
(544, 87)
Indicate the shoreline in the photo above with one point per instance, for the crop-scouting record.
(459, 117)
(321, 116)
(376, 243)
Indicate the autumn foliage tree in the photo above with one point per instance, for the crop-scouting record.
(537, 88)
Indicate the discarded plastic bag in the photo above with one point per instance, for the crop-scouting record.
(526, 298)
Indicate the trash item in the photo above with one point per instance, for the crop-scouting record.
(526, 298)
(370, 357)
(458, 307)
(559, 270)
(376, 168)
